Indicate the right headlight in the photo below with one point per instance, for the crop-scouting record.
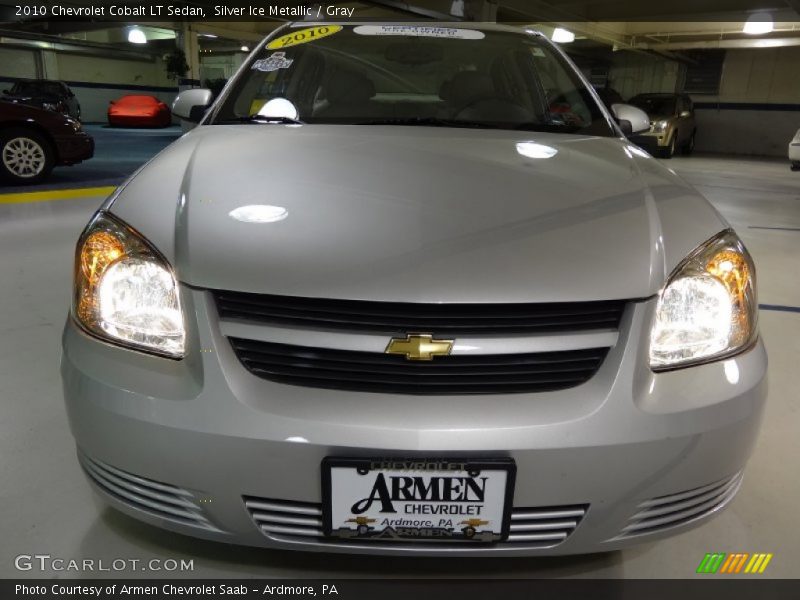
(708, 309)
(125, 291)
(660, 126)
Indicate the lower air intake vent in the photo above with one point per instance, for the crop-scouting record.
(158, 499)
(283, 520)
(674, 510)
(550, 525)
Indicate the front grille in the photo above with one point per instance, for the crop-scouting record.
(678, 509)
(401, 317)
(285, 520)
(157, 499)
(393, 374)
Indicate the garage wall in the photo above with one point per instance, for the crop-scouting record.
(763, 75)
(220, 66)
(16, 63)
(633, 73)
(758, 108)
(756, 112)
(97, 80)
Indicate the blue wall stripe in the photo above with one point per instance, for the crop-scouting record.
(780, 308)
(103, 86)
(776, 228)
(746, 106)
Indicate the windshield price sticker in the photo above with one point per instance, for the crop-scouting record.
(303, 36)
(421, 31)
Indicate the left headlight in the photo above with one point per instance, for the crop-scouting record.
(125, 291)
(708, 309)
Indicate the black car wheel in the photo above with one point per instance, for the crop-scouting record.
(26, 156)
(688, 148)
(796, 166)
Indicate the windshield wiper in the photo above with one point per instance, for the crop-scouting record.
(427, 122)
(263, 119)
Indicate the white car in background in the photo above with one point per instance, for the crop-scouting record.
(794, 151)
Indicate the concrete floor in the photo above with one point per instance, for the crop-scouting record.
(47, 507)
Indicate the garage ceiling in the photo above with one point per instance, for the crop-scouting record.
(599, 24)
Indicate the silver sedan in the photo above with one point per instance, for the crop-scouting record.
(408, 289)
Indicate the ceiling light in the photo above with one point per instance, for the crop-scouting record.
(562, 36)
(209, 35)
(759, 24)
(245, 49)
(137, 36)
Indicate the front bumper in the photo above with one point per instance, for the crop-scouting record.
(651, 140)
(74, 148)
(215, 436)
(794, 152)
(155, 120)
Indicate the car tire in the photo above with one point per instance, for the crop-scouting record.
(796, 166)
(688, 147)
(668, 151)
(26, 156)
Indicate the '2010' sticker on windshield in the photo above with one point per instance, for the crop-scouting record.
(275, 61)
(303, 36)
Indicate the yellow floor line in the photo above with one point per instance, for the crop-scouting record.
(47, 195)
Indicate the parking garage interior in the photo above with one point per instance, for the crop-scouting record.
(745, 95)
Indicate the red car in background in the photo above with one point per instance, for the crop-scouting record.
(138, 111)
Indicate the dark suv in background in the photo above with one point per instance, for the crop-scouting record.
(45, 93)
(672, 123)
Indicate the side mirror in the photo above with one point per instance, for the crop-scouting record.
(631, 119)
(685, 114)
(191, 105)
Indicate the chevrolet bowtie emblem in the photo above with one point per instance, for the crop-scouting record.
(419, 347)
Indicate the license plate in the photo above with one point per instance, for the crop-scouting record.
(421, 500)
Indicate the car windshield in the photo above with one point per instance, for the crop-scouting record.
(655, 105)
(412, 75)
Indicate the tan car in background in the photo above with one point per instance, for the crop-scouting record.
(672, 123)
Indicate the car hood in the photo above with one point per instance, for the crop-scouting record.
(414, 214)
